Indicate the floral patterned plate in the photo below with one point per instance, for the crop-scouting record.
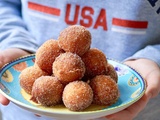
(130, 83)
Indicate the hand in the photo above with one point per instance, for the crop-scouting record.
(5, 57)
(150, 71)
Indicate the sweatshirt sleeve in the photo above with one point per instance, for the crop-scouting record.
(151, 52)
(13, 31)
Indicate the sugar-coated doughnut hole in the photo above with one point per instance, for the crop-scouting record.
(105, 90)
(47, 90)
(77, 96)
(112, 72)
(75, 39)
(68, 67)
(28, 76)
(46, 55)
(95, 62)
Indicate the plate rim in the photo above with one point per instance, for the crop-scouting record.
(123, 106)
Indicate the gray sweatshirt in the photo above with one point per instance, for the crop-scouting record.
(122, 29)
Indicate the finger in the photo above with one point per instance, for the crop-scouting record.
(3, 100)
(2, 59)
(130, 112)
(153, 83)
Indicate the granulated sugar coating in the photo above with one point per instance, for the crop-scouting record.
(77, 96)
(68, 67)
(46, 55)
(47, 90)
(28, 76)
(68, 71)
(95, 62)
(105, 90)
(75, 39)
(112, 72)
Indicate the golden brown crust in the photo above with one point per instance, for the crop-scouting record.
(68, 67)
(112, 72)
(46, 55)
(77, 95)
(75, 39)
(95, 62)
(47, 90)
(28, 76)
(105, 90)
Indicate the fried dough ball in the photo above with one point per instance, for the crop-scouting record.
(112, 72)
(77, 95)
(68, 67)
(95, 62)
(47, 90)
(75, 39)
(105, 90)
(28, 76)
(46, 55)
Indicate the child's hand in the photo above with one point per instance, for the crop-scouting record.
(5, 57)
(3, 100)
(150, 71)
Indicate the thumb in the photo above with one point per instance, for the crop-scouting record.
(2, 59)
(3, 100)
(9, 55)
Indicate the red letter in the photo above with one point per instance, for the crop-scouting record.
(68, 10)
(86, 14)
(101, 21)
